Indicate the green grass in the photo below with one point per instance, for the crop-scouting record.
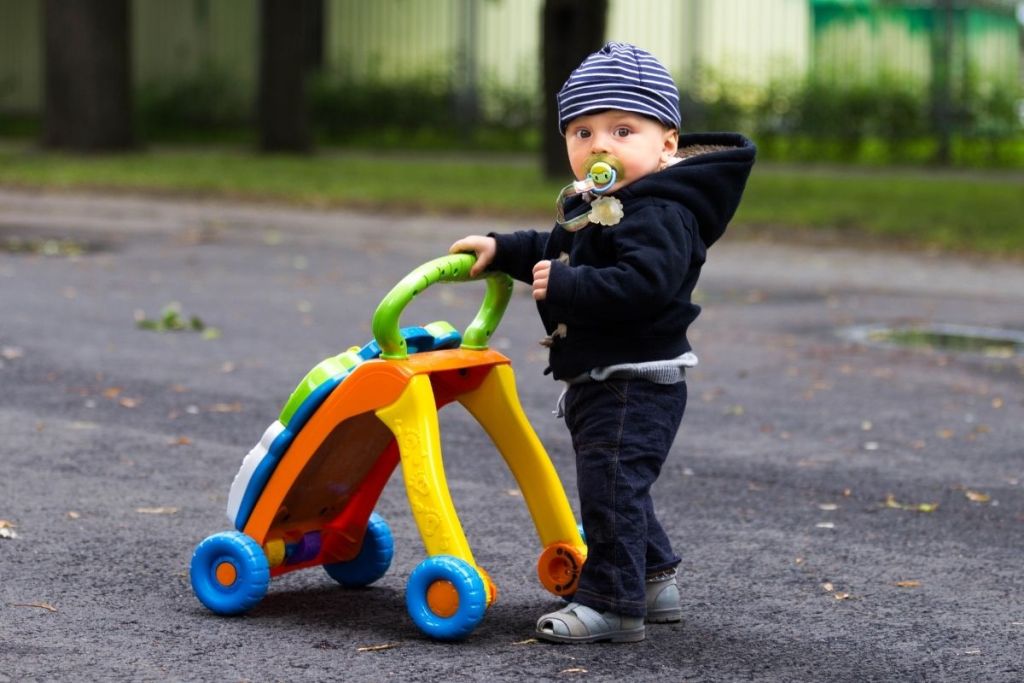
(965, 211)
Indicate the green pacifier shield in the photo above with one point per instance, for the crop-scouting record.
(604, 169)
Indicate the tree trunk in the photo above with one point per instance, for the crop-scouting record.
(570, 30)
(87, 82)
(942, 86)
(285, 58)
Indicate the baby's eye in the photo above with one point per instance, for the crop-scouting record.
(622, 132)
(582, 133)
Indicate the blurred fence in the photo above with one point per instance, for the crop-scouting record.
(853, 68)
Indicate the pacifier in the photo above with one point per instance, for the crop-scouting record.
(602, 172)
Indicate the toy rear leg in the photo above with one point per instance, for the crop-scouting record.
(495, 405)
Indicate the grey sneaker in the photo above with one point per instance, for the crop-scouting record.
(663, 599)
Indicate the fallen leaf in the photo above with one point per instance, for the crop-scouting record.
(908, 584)
(528, 641)
(825, 525)
(977, 496)
(4, 524)
(828, 506)
(839, 595)
(377, 648)
(129, 402)
(41, 605)
(8, 533)
(181, 441)
(112, 392)
(575, 670)
(946, 433)
(157, 511)
(828, 587)
(73, 515)
(891, 502)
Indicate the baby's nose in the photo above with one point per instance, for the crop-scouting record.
(599, 143)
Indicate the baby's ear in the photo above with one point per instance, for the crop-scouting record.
(671, 142)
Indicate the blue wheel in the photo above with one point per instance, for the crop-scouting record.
(446, 597)
(229, 572)
(373, 560)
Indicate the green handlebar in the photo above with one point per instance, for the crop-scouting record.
(451, 268)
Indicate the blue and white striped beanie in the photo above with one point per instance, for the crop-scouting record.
(620, 76)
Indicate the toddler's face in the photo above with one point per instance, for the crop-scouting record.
(643, 145)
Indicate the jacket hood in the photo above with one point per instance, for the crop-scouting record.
(709, 180)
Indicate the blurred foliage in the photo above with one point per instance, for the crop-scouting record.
(887, 121)
(209, 106)
(421, 113)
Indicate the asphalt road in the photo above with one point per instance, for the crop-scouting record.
(847, 511)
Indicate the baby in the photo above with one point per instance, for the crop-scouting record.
(613, 282)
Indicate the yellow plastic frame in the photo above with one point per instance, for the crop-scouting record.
(413, 420)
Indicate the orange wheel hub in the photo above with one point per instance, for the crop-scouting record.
(559, 568)
(443, 599)
(226, 573)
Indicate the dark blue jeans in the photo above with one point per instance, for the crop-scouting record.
(622, 430)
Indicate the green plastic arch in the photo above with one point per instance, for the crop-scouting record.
(451, 268)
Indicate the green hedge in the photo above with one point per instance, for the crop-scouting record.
(887, 121)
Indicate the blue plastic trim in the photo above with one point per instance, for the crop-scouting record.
(312, 402)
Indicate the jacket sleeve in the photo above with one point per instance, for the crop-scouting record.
(653, 253)
(517, 253)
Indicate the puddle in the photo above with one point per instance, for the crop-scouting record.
(46, 246)
(987, 341)
(752, 296)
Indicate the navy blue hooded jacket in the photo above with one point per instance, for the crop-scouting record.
(624, 295)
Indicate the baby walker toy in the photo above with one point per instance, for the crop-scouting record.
(305, 494)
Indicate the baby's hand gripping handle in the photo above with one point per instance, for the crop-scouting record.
(450, 268)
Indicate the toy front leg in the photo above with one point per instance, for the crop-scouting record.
(448, 592)
(413, 421)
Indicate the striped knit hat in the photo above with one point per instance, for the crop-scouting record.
(620, 76)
